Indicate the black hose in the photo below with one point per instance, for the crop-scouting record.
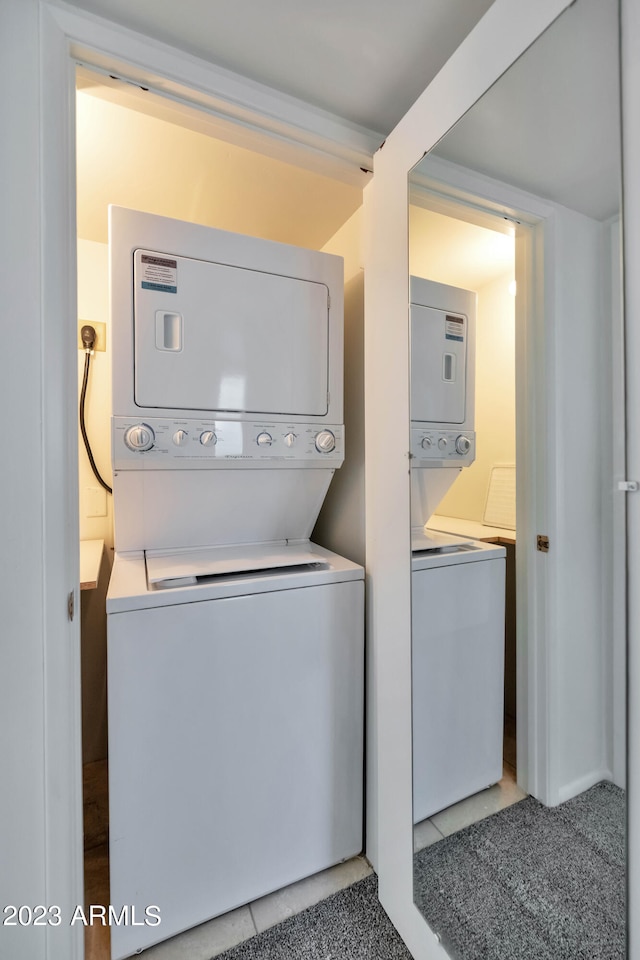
(83, 429)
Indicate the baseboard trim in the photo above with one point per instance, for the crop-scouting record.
(570, 790)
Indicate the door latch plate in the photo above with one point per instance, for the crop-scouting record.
(542, 543)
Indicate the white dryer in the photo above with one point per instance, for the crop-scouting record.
(235, 646)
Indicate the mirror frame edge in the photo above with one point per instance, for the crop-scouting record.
(630, 113)
(501, 36)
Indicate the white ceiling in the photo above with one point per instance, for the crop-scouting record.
(518, 132)
(551, 124)
(364, 60)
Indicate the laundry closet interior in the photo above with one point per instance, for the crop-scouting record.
(143, 153)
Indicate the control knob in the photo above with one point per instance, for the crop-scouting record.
(208, 438)
(325, 441)
(264, 439)
(180, 437)
(140, 437)
(443, 443)
(463, 445)
(290, 439)
(427, 443)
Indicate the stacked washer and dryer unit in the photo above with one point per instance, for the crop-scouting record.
(235, 645)
(457, 585)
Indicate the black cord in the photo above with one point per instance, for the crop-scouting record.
(83, 429)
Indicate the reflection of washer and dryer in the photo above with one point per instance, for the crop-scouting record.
(235, 646)
(457, 584)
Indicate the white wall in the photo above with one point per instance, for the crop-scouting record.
(614, 502)
(22, 798)
(462, 254)
(447, 249)
(580, 701)
(495, 400)
(130, 158)
(340, 525)
(93, 306)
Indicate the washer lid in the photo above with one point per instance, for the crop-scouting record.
(422, 541)
(188, 566)
(470, 552)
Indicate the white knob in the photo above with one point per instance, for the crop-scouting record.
(264, 439)
(427, 442)
(463, 445)
(442, 443)
(325, 441)
(180, 437)
(208, 438)
(140, 437)
(290, 439)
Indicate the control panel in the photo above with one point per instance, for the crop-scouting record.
(173, 444)
(439, 447)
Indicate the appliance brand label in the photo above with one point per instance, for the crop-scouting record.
(454, 328)
(159, 273)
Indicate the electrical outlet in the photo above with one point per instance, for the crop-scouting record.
(95, 502)
(101, 334)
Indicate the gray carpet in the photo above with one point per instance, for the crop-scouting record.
(528, 883)
(349, 925)
(531, 883)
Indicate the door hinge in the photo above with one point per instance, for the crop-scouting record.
(71, 604)
(628, 486)
(542, 543)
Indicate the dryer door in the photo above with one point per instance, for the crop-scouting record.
(214, 337)
(438, 365)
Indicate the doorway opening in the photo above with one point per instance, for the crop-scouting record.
(136, 149)
(541, 722)
(448, 245)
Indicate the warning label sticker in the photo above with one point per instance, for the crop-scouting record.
(159, 273)
(454, 328)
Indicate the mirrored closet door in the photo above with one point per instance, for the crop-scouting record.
(517, 535)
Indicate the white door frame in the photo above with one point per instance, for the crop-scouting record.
(630, 42)
(301, 133)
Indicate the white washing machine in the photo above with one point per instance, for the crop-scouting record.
(457, 664)
(457, 585)
(235, 646)
(235, 729)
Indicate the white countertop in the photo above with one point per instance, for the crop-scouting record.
(471, 528)
(90, 560)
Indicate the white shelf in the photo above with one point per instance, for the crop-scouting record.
(90, 560)
(471, 528)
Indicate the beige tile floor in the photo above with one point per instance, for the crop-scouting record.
(468, 811)
(215, 936)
